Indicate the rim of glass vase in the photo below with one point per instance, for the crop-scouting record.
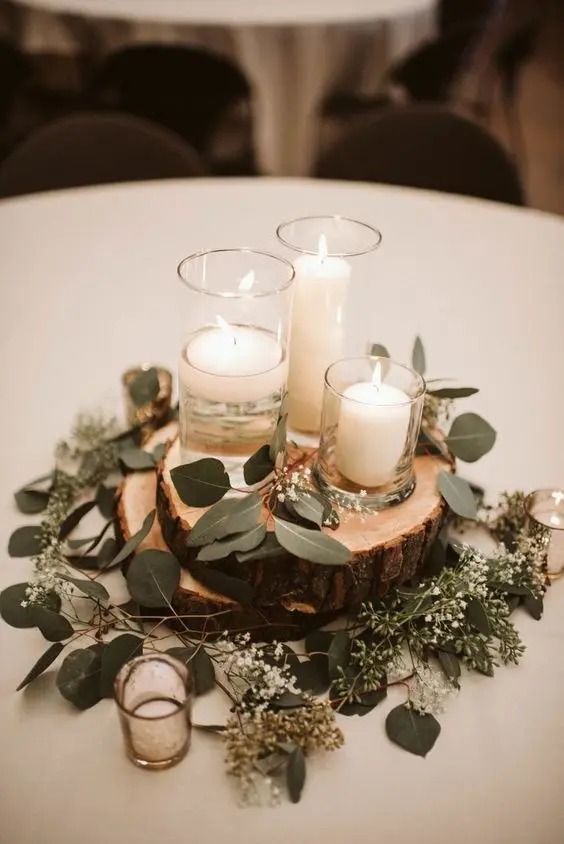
(168, 660)
(530, 501)
(330, 254)
(421, 389)
(246, 294)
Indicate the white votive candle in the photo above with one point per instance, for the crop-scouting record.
(372, 431)
(158, 730)
(317, 333)
(555, 547)
(233, 364)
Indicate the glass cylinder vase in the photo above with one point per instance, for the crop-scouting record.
(233, 361)
(324, 246)
(154, 698)
(545, 522)
(372, 409)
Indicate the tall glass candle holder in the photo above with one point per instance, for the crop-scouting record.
(323, 274)
(233, 361)
(371, 417)
(545, 519)
(154, 698)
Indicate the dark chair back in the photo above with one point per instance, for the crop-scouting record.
(93, 149)
(425, 146)
(454, 13)
(187, 89)
(14, 71)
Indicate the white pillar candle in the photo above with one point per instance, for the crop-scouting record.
(372, 430)
(158, 731)
(317, 334)
(233, 363)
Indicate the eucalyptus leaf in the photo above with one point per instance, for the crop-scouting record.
(232, 587)
(309, 508)
(74, 519)
(470, 437)
(153, 577)
(245, 541)
(288, 700)
(365, 703)
(88, 587)
(42, 664)
(379, 351)
(534, 606)
(144, 388)
(295, 774)
(31, 501)
(477, 616)
(137, 459)
(159, 452)
(53, 626)
(310, 545)
(11, 608)
(107, 554)
(454, 392)
(25, 541)
(418, 357)
(338, 655)
(200, 664)
(269, 549)
(278, 444)
(95, 540)
(78, 679)
(106, 500)
(231, 515)
(259, 466)
(429, 444)
(114, 656)
(201, 483)
(450, 665)
(458, 495)
(133, 542)
(413, 731)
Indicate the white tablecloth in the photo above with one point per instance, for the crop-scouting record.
(293, 51)
(89, 288)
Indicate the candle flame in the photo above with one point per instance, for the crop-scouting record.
(322, 248)
(558, 497)
(377, 376)
(224, 326)
(247, 281)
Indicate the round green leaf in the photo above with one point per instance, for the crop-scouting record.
(54, 627)
(116, 653)
(42, 664)
(144, 388)
(153, 577)
(31, 501)
(259, 466)
(25, 541)
(11, 608)
(201, 483)
(458, 495)
(201, 666)
(413, 731)
(312, 545)
(470, 437)
(78, 679)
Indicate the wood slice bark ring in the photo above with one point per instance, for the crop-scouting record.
(387, 547)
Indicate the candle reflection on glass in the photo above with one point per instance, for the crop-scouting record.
(545, 510)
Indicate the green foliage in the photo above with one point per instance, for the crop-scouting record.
(311, 545)
(134, 541)
(295, 774)
(413, 731)
(54, 627)
(45, 660)
(78, 679)
(418, 357)
(201, 667)
(25, 541)
(229, 516)
(153, 577)
(144, 388)
(458, 495)
(242, 542)
(259, 466)
(114, 656)
(470, 437)
(201, 483)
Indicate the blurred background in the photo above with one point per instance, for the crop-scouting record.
(465, 96)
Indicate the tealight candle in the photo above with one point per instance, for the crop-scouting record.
(545, 509)
(317, 334)
(232, 363)
(372, 430)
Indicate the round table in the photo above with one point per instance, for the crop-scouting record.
(89, 289)
(293, 52)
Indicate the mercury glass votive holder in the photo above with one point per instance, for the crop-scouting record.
(233, 360)
(154, 698)
(545, 521)
(152, 413)
(326, 250)
(372, 409)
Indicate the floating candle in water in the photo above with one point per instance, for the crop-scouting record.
(372, 430)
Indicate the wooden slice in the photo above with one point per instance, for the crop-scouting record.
(202, 608)
(388, 547)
